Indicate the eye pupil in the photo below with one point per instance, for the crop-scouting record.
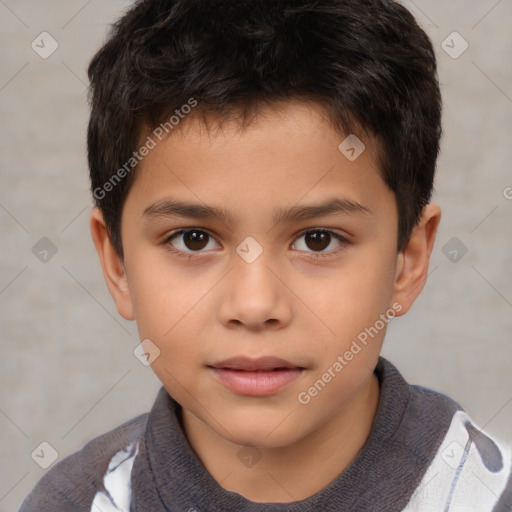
(318, 240)
(195, 240)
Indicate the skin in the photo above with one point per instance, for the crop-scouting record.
(209, 305)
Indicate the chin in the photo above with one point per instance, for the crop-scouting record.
(261, 440)
(262, 434)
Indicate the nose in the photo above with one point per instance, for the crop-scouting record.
(255, 296)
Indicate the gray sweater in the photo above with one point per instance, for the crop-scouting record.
(424, 454)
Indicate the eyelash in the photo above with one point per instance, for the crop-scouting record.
(315, 255)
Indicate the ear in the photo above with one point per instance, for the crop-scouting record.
(112, 265)
(413, 261)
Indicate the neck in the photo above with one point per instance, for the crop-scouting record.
(292, 472)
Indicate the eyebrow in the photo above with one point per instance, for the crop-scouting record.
(172, 208)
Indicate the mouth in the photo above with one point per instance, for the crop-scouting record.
(261, 364)
(256, 377)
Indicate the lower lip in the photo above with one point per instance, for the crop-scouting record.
(256, 383)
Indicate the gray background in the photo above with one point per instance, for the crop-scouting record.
(68, 372)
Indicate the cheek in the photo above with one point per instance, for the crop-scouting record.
(170, 311)
(350, 305)
(163, 297)
(358, 294)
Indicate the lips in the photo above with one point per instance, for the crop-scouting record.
(255, 377)
(262, 364)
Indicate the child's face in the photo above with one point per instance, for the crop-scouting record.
(304, 299)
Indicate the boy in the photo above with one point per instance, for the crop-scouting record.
(262, 174)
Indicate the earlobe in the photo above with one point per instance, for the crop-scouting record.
(413, 262)
(112, 266)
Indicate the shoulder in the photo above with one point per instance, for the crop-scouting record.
(72, 484)
(471, 471)
(455, 463)
(468, 469)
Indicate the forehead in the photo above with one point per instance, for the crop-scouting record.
(287, 154)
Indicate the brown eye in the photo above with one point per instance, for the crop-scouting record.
(190, 240)
(318, 240)
(195, 240)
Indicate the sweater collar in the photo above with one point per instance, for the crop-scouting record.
(167, 474)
